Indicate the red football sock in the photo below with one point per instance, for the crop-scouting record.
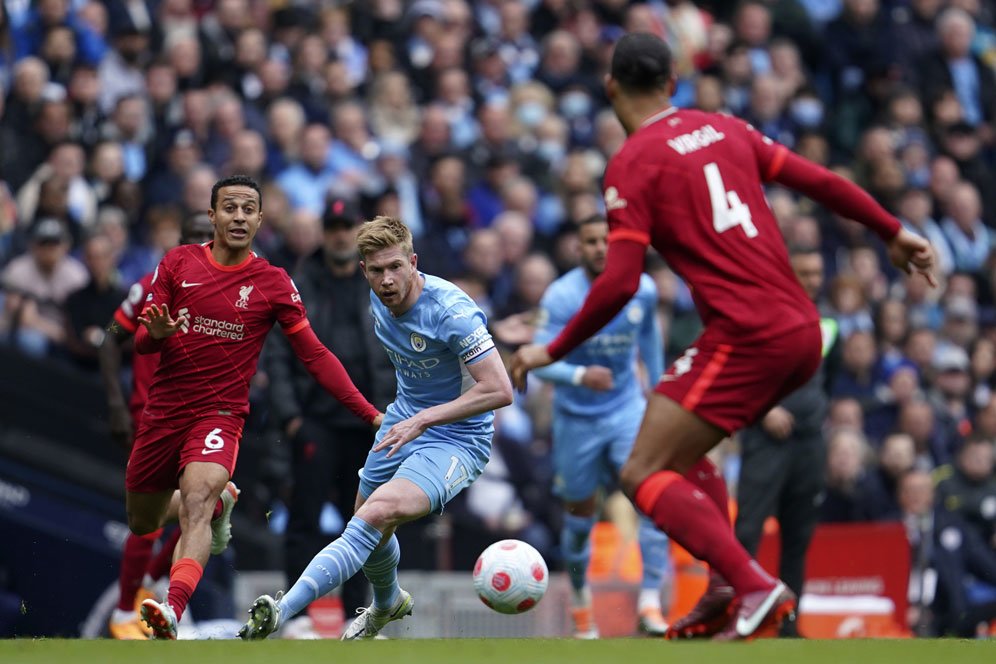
(134, 558)
(706, 477)
(218, 507)
(183, 579)
(162, 561)
(687, 515)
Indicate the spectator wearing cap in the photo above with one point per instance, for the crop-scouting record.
(308, 181)
(328, 444)
(968, 237)
(36, 286)
(952, 385)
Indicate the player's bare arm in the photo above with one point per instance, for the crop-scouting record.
(109, 356)
(491, 391)
(159, 323)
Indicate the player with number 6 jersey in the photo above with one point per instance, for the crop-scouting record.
(209, 311)
(690, 184)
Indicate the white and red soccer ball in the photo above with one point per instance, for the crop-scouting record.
(510, 576)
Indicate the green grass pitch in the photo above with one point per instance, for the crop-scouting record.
(496, 651)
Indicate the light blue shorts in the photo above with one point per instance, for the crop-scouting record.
(588, 451)
(438, 464)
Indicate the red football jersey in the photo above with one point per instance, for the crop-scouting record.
(205, 367)
(690, 184)
(143, 367)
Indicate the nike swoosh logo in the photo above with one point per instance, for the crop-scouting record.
(184, 284)
(210, 451)
(747, 626)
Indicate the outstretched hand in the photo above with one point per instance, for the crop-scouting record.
(527, 358)
(159, 323)
(911, 253)
(401, 433)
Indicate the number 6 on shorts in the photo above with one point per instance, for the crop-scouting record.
(213, 442)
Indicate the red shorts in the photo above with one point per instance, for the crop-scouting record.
(732, 385)
(162, 449)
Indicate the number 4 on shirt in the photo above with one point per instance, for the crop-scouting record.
(728, 211)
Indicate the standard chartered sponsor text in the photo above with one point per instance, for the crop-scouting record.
(219, 328)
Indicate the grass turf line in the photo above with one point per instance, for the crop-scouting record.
(496, 651)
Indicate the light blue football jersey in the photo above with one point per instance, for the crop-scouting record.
(429, 345)
(614, 346)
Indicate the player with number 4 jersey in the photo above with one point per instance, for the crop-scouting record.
(209, 311)
(690, 184)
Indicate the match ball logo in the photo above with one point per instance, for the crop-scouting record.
(418, 343)
(244, 293)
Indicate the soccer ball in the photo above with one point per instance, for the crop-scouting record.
(510, 576)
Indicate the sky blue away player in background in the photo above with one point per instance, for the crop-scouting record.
(598, 406)
(450, 381)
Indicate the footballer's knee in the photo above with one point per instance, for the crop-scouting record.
(631, 476)
(141, 524)
(381, 512)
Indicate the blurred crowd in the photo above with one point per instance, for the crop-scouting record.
(483, 125)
